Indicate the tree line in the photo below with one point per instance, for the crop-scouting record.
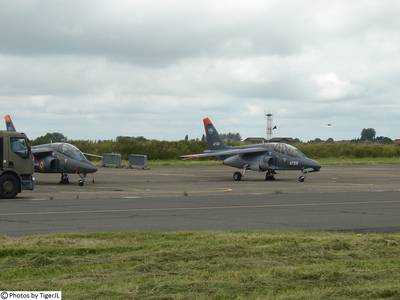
(366, 146)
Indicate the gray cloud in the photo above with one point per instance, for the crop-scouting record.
(157, 67)
(151, 32)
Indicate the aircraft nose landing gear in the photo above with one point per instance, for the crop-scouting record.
(64, 179)
(82, 179)
(237, 176)
(304, 172)
(301, 178)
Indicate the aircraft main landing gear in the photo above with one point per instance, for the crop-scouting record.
(237, 176)
(64, 178)
(269, 176)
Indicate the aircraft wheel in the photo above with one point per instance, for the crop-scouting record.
(269, 177)
(81, 182)
(301, 178)
(64, 179)
(237, 176)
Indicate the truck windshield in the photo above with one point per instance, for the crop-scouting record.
(19, 146)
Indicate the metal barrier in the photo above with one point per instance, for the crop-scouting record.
(137, 161)
(112, 160)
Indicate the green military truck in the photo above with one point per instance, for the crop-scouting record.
(16, 164)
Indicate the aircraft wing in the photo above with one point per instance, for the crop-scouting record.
(228, 152)
(93, 155)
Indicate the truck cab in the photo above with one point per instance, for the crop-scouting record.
(16, 164)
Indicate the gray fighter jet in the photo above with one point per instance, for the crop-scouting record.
(267, 157)
(62, 158)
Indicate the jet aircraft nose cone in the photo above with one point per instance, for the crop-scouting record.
(311, 165)
(93, 169)
(316, 166)
(88, 168)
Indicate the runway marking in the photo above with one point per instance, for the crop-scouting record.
(105, 187)
(150, 192)
(182, 175)
(37, 199)
(132, 197)
(193, 208)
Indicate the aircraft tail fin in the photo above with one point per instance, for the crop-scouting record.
(213, 139)
(9, 123)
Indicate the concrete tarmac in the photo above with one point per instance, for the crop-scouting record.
(359, 198)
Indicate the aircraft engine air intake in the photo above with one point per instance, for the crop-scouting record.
(265, 163)
(47, 164)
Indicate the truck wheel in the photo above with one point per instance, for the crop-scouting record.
(8, 186)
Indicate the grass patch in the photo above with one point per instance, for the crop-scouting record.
(216, 265)
(360, 161)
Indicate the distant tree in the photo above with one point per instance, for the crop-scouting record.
(355, 141)
(186, 138)
(330, 140)
(296, 141)
(120, 139)
(383, 140)
(315, 141)
(124, 139)
(140, 139)
(368, 134)
(51, 137)
(230, 137)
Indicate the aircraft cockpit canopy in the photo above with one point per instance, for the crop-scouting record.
(72, 152)
(288, 150)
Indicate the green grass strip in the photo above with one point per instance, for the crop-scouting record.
(205, 265)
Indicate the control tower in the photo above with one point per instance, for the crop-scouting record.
(269, 126)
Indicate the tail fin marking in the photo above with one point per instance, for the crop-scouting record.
(213, 139)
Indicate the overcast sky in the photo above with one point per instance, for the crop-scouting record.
(99, 69)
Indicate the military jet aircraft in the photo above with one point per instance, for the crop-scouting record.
(62, 158)
(267, 157)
